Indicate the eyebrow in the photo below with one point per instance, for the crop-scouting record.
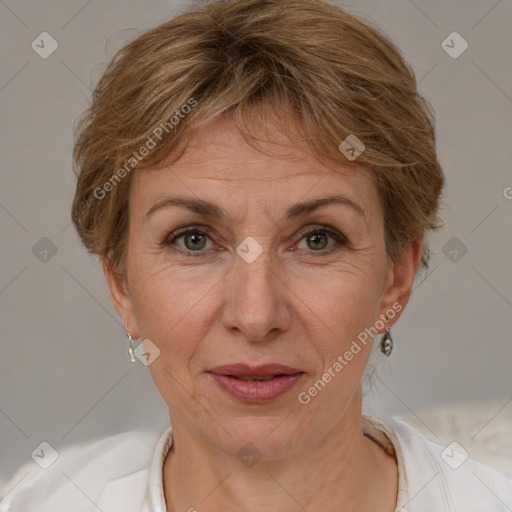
(212, 210)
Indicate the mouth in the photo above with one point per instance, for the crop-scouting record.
(255, 384)
(262, 371)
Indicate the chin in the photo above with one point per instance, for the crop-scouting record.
(269, 437)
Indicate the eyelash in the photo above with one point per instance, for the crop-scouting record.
(172, 237)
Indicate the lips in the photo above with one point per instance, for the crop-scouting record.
(255, 383)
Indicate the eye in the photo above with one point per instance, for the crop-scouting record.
(193, 240)
(317, 240)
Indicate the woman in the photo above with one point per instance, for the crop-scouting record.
(258, 179)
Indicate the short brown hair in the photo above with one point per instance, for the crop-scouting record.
(328, 73)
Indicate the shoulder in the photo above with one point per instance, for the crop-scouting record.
(84, 475)
(447, 476)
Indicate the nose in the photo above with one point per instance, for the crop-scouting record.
(256, 299)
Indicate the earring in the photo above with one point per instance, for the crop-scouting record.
(386, 344)
(130, 346)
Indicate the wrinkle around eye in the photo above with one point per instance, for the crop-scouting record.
(172, 235)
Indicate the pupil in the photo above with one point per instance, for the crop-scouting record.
(315, 238)
(195, 238)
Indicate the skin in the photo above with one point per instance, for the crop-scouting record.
(291, 306)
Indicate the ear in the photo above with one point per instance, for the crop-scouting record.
(121, 298)
(399, 281)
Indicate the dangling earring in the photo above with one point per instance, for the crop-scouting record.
(386, 344)
(130, 346)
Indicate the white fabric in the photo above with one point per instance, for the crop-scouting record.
(124, 472)
(483, 428)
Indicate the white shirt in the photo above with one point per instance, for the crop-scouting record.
(124, 473)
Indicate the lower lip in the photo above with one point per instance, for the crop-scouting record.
(257, 391)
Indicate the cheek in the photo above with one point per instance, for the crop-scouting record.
(352, 308)
(339, 305)
(173, 309)
(341, 309)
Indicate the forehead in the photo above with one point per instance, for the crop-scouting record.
(220, 162)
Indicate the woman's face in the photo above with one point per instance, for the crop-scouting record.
(247, 285)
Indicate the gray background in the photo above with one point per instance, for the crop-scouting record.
(64, 370)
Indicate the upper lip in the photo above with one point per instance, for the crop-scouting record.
(245, 370)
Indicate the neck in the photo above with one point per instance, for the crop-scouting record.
(343, 470)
